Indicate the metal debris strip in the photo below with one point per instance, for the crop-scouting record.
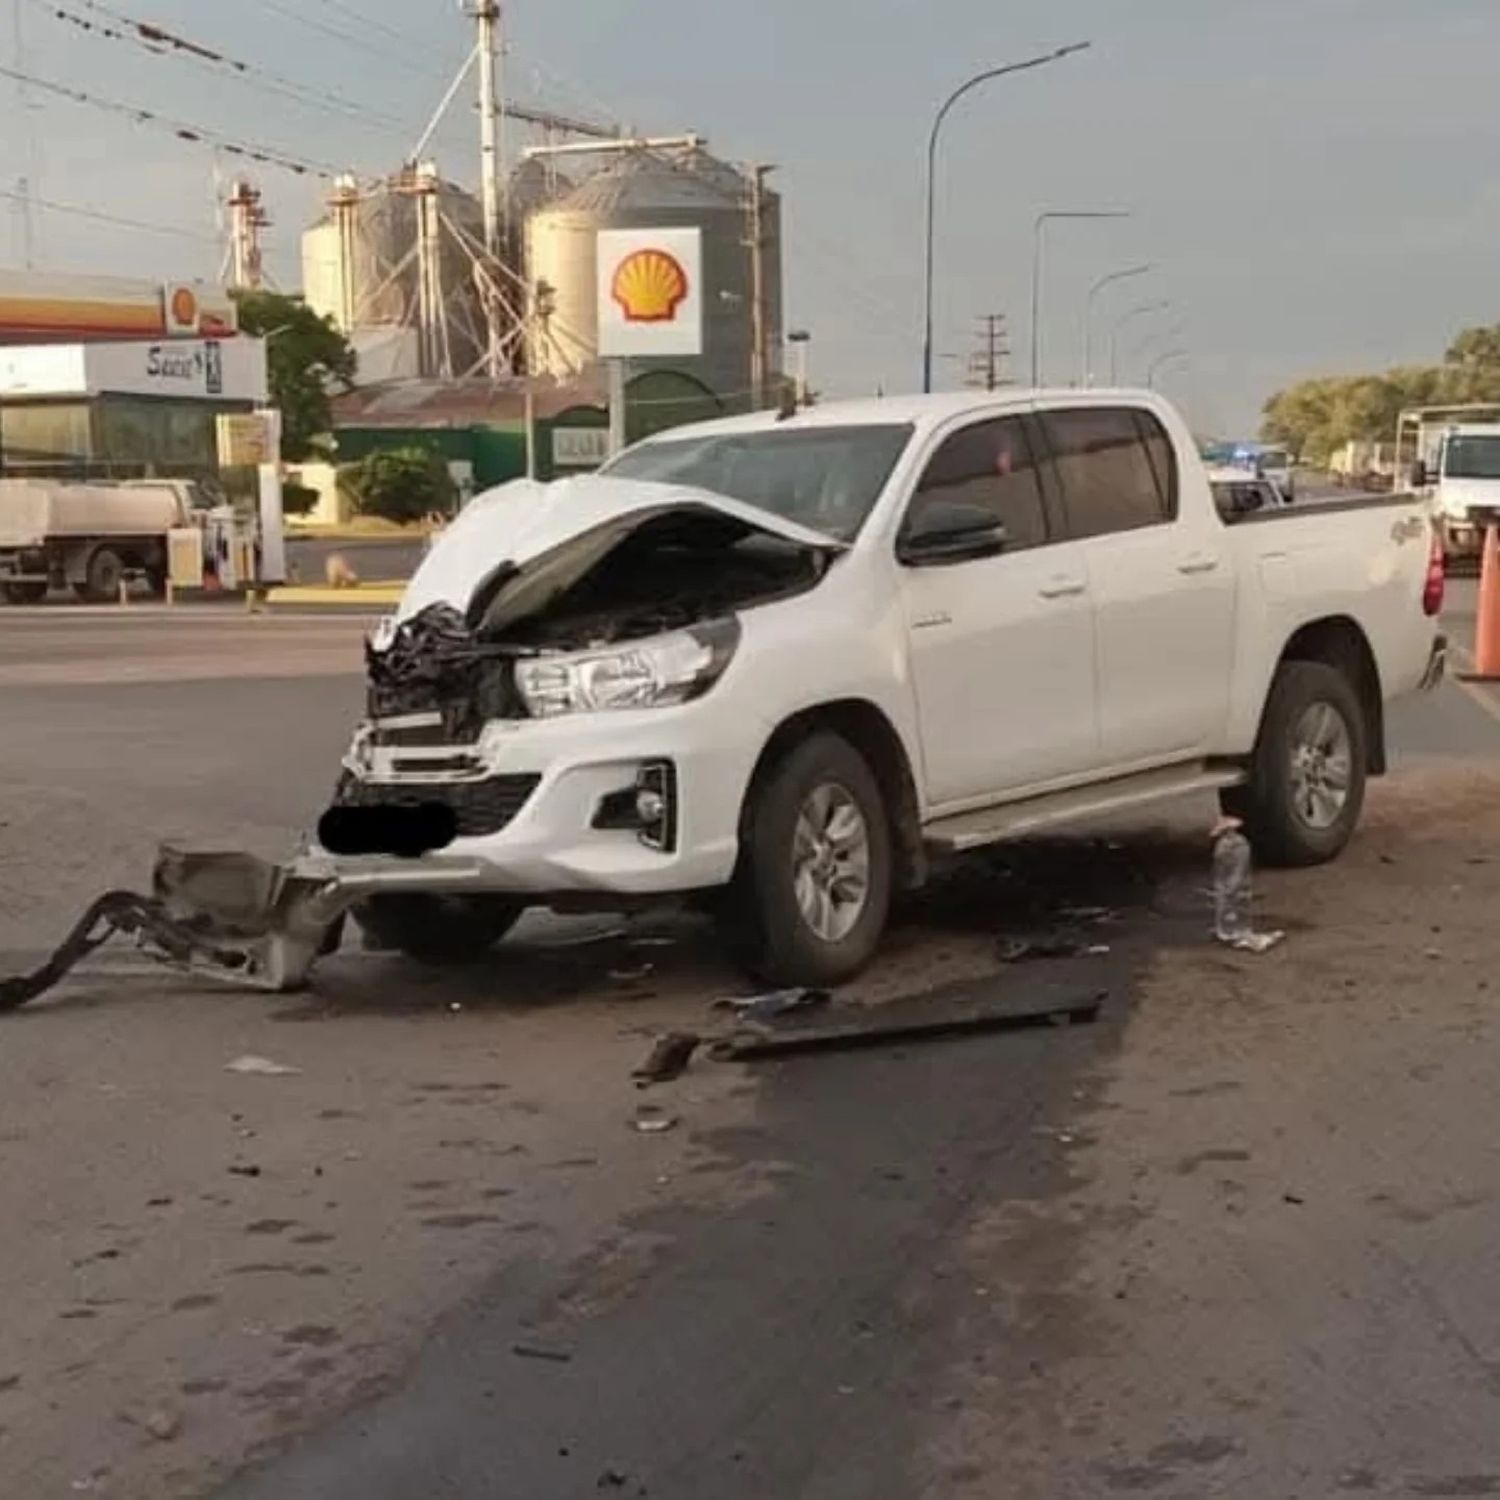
(882, 1025)
(669, 1058)
(777, 1003)
(117, 913)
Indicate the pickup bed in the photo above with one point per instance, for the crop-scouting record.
(783, 660)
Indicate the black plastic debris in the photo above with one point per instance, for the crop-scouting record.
(548, 1353)
(776, 1004)
(1049, 945)
(916, 1020)
(669, 1058)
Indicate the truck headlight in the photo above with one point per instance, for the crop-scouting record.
(653, 673)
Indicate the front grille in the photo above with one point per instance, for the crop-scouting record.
(480, 807)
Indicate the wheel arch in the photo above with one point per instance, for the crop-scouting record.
(1340, 642)
(870, 731)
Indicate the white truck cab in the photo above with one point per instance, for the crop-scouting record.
(1463, 476)
(783, 661)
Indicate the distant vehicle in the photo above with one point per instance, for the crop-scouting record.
(1238, 493)
(1463, 476)
(1268, 462)
(90, 537)
(778, 663)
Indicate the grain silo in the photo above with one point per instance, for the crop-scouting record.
(659, 188)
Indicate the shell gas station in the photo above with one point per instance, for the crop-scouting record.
(114, 380)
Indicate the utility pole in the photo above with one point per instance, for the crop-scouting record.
(491, 152)
(25, 182)
(760, 321)
(247, 217)
(987, 365)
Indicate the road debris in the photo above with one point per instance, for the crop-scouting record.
(669, 1058)
(550, 1353)
(1054, 945)
(1233, 867)
(649, 1120)
(922, 1018)
(260, 1067)
(244, 1171)
(632, 976)
(777, 1003)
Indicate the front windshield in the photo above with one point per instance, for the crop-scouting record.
(826, 478)
(1472, 458)
(1275, 458)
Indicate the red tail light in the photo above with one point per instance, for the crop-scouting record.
(1436, 587)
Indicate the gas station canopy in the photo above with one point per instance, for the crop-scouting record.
(39, 307)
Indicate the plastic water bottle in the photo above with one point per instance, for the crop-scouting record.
(1232, 886)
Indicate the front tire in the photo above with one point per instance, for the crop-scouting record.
(1306, 790)
(437, 930)
(811, 896)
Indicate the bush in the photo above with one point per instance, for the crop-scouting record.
(298, 499)
(401, 485)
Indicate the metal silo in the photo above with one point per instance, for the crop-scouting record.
(659, 189)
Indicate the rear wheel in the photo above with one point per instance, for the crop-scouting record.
(1307, 775)
(810, 898)
(25, 593)
(103, 576)
(434, 929)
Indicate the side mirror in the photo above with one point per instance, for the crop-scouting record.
(944, 532)
(1420, 478)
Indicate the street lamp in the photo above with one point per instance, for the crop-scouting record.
(800, 338)
(1120, 325)
(1042, 220)
(932, 145)
(1088, 314)
(1168, 337)
(1160, 362)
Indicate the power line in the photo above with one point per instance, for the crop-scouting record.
(406, 38)
(353, 39)
(118, 220)
(160, 42)
(193, 134)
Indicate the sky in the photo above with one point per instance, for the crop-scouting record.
(1309, 178)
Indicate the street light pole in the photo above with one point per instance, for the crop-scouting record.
(1160, 362)
(1088, 314)
(1042, 220)
(1120, 325)
(932, 147)
(799, 339)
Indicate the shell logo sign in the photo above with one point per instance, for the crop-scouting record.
(650, 293)
(650, 286)
(182, 310)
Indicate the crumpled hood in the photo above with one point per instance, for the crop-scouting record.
(521, 521)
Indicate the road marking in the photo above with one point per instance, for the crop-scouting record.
(1475, 690)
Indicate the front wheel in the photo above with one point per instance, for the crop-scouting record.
(437, 930)
(810, 898)
(1307, 776)
(102, 577)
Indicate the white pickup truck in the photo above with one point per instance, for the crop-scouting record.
(783, 661)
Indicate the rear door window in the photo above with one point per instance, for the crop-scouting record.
(990, 465)
(1116, 468)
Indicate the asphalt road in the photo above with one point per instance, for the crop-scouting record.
(1236, 1239)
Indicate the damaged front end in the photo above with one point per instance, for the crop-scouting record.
(640, 611)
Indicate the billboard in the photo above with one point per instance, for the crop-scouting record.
(650, 293)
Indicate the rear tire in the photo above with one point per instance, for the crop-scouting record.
(437, 930)
(813, 889)
(102, 577)
(1307, 774)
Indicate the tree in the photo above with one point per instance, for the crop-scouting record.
(401, 485)
(306, 358)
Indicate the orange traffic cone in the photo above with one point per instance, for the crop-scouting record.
(1487, 629)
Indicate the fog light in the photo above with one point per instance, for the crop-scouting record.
(656, 805)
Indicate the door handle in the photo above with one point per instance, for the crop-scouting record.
(1198, 563)
(1062, 588)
